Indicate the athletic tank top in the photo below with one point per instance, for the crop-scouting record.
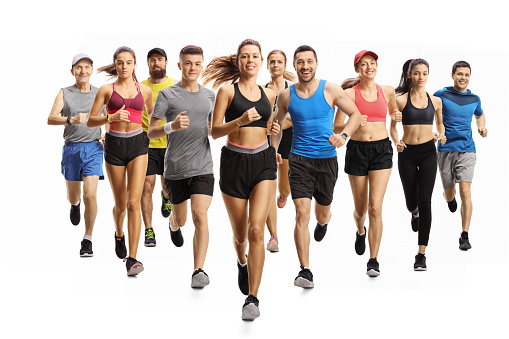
(418, 116)
(376, 110)
(275, 101)
(134, 105)
(313, 123)
(240, 104)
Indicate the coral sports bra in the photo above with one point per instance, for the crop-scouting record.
(134, 105)
(376, 110)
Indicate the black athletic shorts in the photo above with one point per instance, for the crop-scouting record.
(240, 172)
(312, 178)
(285, 145)
(364, 156)
(155, 161)
(121, 151)
(182, 189)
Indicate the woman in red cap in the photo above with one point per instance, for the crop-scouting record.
(368, 160)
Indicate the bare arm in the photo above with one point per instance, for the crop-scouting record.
(347, 106)
(154, 130)
(392, 106)
(100, 100)
(481, 125)
(282, 111)
(56, 119)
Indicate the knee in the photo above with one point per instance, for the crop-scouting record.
(89, 198)
(148, 188)
(133, 205)
(199, 218)
(375, 211)
(302, 215)
(465, 194)
(255, 234)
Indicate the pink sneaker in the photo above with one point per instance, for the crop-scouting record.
(281, 201)
(272, 245)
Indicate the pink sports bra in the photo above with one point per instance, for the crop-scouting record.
(376, 110)
(134, 105)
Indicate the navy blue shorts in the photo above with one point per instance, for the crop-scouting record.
(82, 159)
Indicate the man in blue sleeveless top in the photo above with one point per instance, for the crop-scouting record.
(82, 155)
(312, 161)
(456, 158)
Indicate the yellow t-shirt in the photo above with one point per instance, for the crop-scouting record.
(161, 142)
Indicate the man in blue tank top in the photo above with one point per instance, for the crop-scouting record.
(456, 158)
(82, 155)
(312, 161)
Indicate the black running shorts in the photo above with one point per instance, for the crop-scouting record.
(121, 151)
(155, 161)
(364, 156)
(181, 190)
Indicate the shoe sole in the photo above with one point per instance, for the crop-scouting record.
(465, 248)
(85, 255)
(250, 312)
(135, 269)
(304, 283)
(200, 280)
(372, 273)
(420, 269)
(150, 245)
(272, 247)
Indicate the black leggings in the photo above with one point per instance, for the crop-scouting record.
(417, 166)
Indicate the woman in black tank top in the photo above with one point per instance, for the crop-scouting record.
(248, 165)
(417, 156)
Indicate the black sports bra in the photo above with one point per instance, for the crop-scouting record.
(418, 116)
(275, 101)
(240, 104)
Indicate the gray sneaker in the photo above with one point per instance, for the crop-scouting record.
(250, 310)
(200, 279)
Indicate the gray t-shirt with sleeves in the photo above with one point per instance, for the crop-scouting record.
(188, 151)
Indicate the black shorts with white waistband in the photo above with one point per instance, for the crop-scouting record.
(120, 151)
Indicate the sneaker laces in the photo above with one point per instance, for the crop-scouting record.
(149, 233)
(167, 205)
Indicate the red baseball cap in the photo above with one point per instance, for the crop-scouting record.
(362, 53)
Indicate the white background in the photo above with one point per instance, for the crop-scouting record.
(48, 290)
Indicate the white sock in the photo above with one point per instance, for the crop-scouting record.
(88, 237)
(243, 265)
(76, 204)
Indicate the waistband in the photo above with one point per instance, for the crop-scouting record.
(246, 150)
(428, 146)
(81, 144)
(369, 142)
(125, 134)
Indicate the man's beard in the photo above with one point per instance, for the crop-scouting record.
(158, 73)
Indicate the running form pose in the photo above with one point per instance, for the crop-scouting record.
(276, 64)
(82, 155)
(248, 170)
(313, 166)
(457, 158)
(187, 107)
(368, 159)
(417, 155)
(157, 62)
(125, 148)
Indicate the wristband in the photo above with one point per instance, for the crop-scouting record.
(108, 117)
(68, 120)
(167, 127)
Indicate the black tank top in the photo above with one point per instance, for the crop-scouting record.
(418, 116)
(240, 104)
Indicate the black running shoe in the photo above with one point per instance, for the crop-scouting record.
(243, 278)
(75, 214)
(373, 268)
(415, 223)
(165, 206)
(134, 267)
(199, 279)
(250, 310)
(453, 205)
(150, 237)
(120, 248)
(176, 237)
(360, 242)
(304, 279)
(420, 262)
(86, 248)
(320, 231)
(464, 242)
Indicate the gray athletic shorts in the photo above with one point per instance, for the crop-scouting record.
(456, 167)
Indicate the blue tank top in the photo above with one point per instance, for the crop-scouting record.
(313, 123)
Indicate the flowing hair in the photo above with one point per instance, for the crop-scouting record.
(225, 70)
(111, 70)
(286, 75)
(405, 83)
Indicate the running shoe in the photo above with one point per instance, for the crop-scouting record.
(420, 262)
(453, 205)
(304, 279)
(273, 244)
(464, 242)
(373, 268)
(360, 242)
(250, 310)
(176, 237)
(120, 248)
(165, 206)
(150, 237)
(415, 223)
(199, 279)
(281, 201)
(86, 248)
(320, 231)
(243, 278)
(134, 267)
(75, 214)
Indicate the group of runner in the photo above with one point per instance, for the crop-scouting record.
(161, 127)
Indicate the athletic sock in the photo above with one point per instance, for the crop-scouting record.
(243, 265)
(322, 225)
(76, 204)
(88, 237)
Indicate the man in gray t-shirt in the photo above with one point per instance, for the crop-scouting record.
(187, 107)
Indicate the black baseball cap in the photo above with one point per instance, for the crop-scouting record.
(158, 51)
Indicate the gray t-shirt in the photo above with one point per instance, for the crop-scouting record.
(188, 151)
(78, 102)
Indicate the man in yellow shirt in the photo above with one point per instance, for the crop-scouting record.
(157, 62)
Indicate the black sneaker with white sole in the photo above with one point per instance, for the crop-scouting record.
(134, 267)
(243, 278)
(464, 242)
(373, 268)
(320, 231)
(199, 279)
(251, 310)
(176, 237)
(120, 248)
(360, 242)
(86, 248)
(304, 279)
(75, 214)
(420, 262)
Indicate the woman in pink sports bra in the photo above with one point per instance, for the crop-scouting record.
(368, 159)
(125, 148)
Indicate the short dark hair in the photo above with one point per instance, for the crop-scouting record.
(190, 49)
(460, 64)
(304, 48)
